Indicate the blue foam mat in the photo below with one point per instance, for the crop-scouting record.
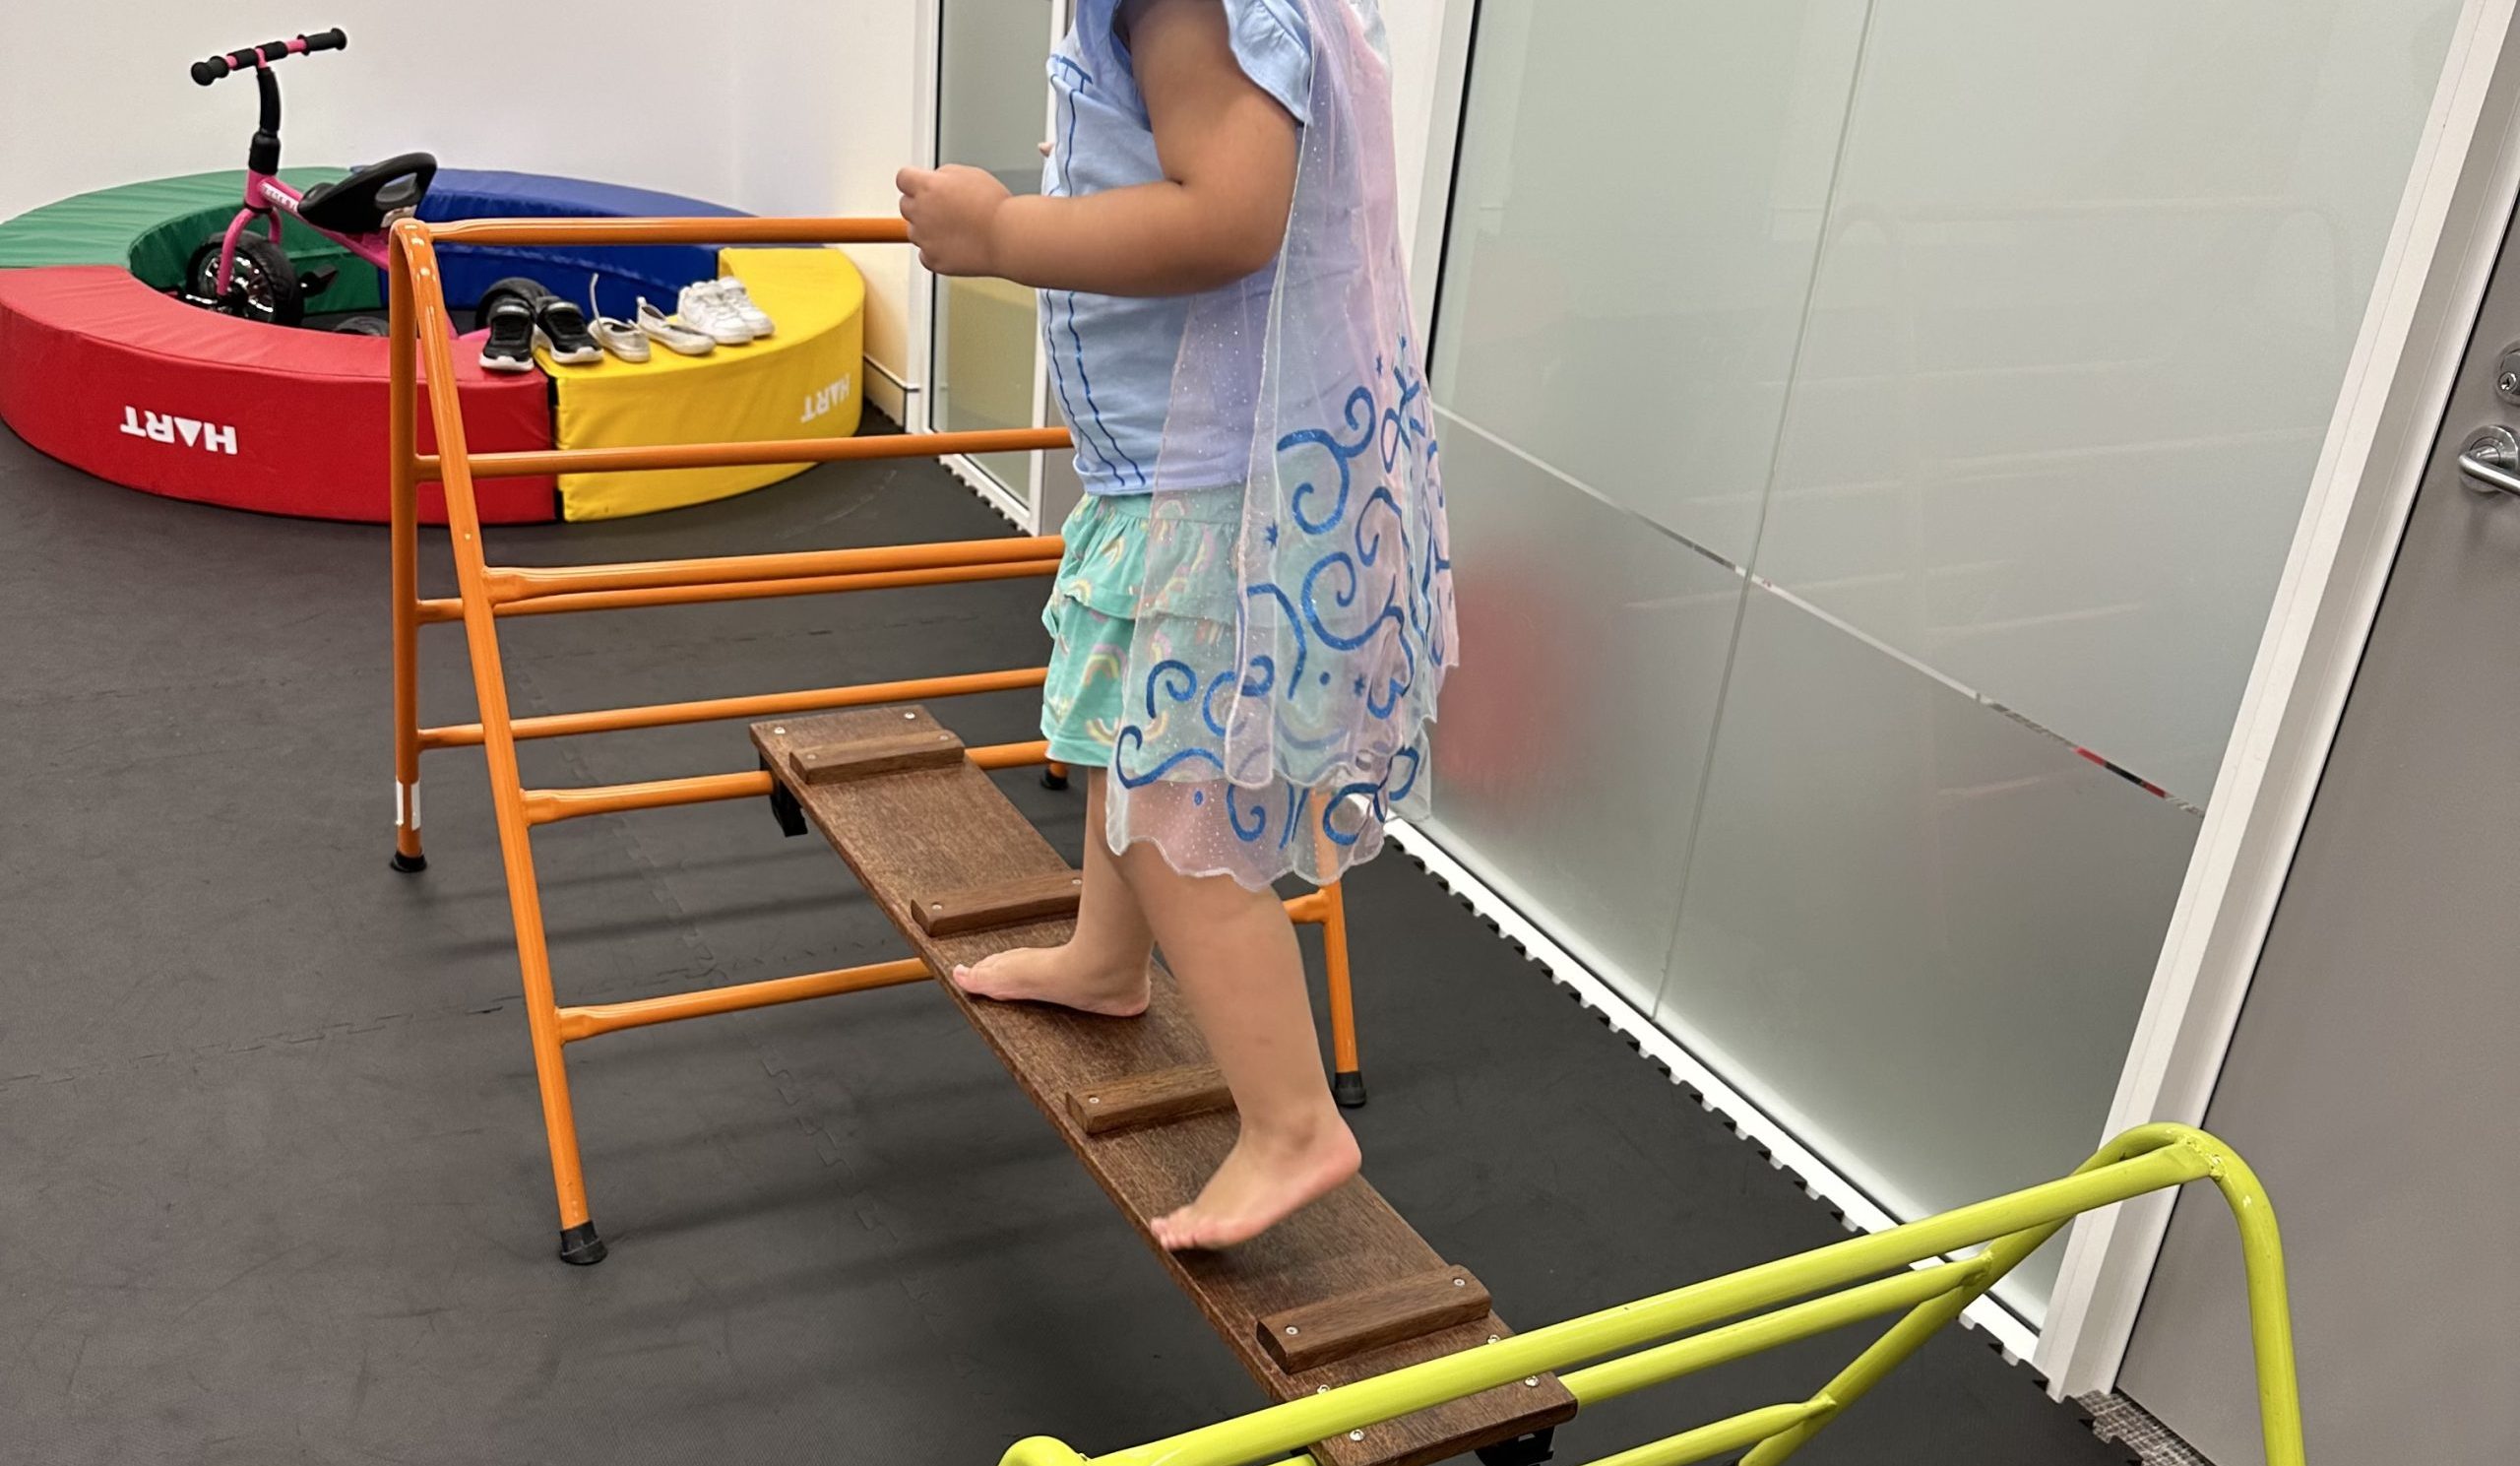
(621, 273)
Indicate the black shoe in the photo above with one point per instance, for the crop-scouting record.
(562, 329)
(511, 343)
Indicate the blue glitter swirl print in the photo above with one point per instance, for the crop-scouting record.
(1294, 631)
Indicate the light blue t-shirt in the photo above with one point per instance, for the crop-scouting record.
(1111, 356)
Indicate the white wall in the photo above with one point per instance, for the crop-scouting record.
(811, 115)
(824, 112)
(1415, 31)
(100, 95)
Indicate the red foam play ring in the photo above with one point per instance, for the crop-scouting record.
(108, 375)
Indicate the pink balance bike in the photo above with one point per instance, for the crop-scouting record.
(248, 275)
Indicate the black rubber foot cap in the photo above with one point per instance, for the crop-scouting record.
(1534, 1449)
(409, 864)
(1053, 780)
(1348, 1090)
(580, 1246)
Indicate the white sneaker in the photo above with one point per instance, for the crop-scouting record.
(704, 310)
(654, 325)
(731, 291)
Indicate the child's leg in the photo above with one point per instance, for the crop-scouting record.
(1233, 952)
(1103, 968)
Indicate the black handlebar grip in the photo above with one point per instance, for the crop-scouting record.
(207, 72)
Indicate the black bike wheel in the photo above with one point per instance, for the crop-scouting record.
(363, 326)
(262, 286)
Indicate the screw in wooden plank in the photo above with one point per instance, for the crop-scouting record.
(1355, 1434)
(777, 729)
(1532, 1379)
(1461, 1282)
(1290, 1330)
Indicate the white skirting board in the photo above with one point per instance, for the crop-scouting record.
(2015, 1337)
(991, 493)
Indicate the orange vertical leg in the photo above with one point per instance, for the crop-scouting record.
(579, 1241)
(1347, 1076)
(403, 387)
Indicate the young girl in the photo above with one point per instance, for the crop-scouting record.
(1255, 611)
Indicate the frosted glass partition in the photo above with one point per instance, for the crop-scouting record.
(1921, 927)
(1601, 650)
(1638, 207)
(1863, 415)
(2077, 338)
(992, 112)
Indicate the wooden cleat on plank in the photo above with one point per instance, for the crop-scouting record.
(898, 740)
(1034, 898)
(1338, 1328)
(1150, 1100)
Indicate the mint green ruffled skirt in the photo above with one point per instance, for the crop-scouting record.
(1117, 546)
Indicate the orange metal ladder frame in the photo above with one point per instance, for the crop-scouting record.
(421, 358)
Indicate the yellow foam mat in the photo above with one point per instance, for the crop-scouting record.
(804, 382)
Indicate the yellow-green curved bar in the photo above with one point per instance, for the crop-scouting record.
(2148, 1159)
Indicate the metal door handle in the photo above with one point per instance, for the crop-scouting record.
(2489, 462)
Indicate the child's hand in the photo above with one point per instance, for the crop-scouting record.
(952, 213)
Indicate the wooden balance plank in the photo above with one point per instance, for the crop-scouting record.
(950, 829)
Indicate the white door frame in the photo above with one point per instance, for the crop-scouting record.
(2433, 277)
(1020, 503)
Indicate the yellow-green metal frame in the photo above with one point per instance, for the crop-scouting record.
(1836, 1286)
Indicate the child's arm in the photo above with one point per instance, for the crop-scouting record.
(1220, 214)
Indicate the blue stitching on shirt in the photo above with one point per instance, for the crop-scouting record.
(1067, 188)
(1090, 405)
(1094, 410)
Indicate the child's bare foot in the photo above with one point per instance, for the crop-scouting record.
(1264, 1179)
(1058, 975)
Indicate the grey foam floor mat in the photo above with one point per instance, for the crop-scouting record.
(272, 1176)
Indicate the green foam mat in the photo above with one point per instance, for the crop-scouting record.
(153, 229)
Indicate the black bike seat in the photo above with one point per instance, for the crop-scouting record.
(358, 204)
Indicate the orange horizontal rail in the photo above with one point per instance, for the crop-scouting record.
(733, 230)
(544, 807)
(642, 458)
(760, 705)
(513, 583)
(432, 612)
(604, 1018)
